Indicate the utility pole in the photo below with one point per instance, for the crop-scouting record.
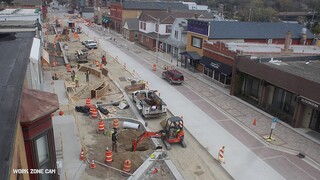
(158, 34)
(157, 42)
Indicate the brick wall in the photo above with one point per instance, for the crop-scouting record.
(218, 51)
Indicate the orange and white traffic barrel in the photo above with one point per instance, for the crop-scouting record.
(108, 156)
(94, 113)
(116, 123)
(127, 166)
(101, 126)
(88, 102)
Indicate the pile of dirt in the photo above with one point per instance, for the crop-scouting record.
(125, 137)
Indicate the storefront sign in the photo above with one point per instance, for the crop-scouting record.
(311, 103)
(198, 27)
(215, 65)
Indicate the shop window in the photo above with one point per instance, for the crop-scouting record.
(196, 42)
(283, 101)
(208, 72)
(252, 86)
(223, 78)
(216, 75)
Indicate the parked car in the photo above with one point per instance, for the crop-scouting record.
(92, 46)
(88, 42)
(173, 76)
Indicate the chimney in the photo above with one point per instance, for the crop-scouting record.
(220, 9)
(287, 43)
(303, 36)
(169, 9)
(196, 15)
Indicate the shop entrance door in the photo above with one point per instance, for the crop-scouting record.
(315, 121)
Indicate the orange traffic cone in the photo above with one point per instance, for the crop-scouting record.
(82, 157)
(254, 122)
(92, 165)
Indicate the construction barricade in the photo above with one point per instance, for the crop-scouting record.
(221, 155)
(101, 126)
(88, 102)
(108, 156)
(127, 166)
(116, 123)
(94, 114)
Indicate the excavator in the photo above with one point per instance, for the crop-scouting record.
(172, 133)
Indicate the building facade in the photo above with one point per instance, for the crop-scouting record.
(286, 88)
(176, 42)
(131, 29)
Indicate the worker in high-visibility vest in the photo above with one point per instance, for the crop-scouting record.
(76, 80)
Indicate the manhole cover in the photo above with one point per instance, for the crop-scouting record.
(122, 79)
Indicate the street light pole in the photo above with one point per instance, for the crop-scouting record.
(157, 41)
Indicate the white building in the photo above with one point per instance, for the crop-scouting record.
(194, 6)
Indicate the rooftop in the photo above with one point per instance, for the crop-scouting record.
(133, 24)
(255, 30)
(27, 2)
(148, 5)
(259, 48)
(18, 15)
(15, 53)
(310, 71)
(169, 17)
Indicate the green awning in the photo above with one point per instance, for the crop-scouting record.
(105, 20)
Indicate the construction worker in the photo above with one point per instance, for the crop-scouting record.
(114, 141)
(76, 80)
(73, 75)
(87, 76)
(103, 60)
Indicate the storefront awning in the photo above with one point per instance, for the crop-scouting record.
(216, 65)
(105, 20)
(191, 54)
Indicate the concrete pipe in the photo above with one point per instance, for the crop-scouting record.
(129, 125)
